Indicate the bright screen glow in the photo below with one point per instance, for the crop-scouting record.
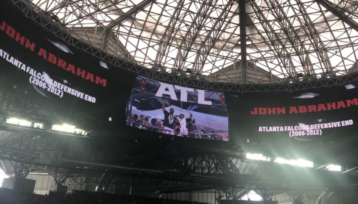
(257, 157)
(19, 122)
(66, 128)
(333, 167)
(299, 162)
(252, 195)
(24, 123)
(2, 176)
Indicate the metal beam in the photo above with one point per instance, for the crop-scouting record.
(316, 38)
(47, 24)
(193, 32)
(280, 50)
(340, 13)
(158, 193)
(62, 4)
(128, 14)
(105, 40)
(250, 66)
(16, 152)
(110, 37)
(214, 35)
(291, 33)
(349, 170)
(243, 16)
(166, 37)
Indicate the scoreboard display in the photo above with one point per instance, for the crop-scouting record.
(307, 122)
(55, 75)
(176, 110)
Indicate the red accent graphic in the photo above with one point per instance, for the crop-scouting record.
(305, 109)
(22, 40)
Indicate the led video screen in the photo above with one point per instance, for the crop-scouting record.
(55, 75)
(317, 117)
(246, 202)
(176, 110)
(50, 66)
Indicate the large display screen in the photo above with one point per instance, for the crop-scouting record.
(177, 110)
(324, 117)
(55, 75)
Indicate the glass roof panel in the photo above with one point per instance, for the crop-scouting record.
(284, 37)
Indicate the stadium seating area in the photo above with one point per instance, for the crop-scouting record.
(11, 197)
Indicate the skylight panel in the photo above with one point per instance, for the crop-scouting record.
(268, 40)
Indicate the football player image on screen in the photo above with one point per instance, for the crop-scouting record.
(168, 116)
(176, 115)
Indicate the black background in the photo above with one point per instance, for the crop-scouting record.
(332, 142)
(111, 100)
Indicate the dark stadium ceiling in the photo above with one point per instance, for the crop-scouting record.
(284, 38)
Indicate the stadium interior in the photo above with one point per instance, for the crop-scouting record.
(179, 101)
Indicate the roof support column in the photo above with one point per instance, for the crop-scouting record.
(105, 39)
(339, 13)
(243, 16)
(128, 14)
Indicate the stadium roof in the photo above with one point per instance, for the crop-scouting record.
(285, 39)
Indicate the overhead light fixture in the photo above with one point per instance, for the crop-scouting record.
(257, 157)
(103, 64)
(39, 125)
(66, 128)
(19, 122)
(299, 162)
(350, 86)
(334, 167)
(24, 123)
